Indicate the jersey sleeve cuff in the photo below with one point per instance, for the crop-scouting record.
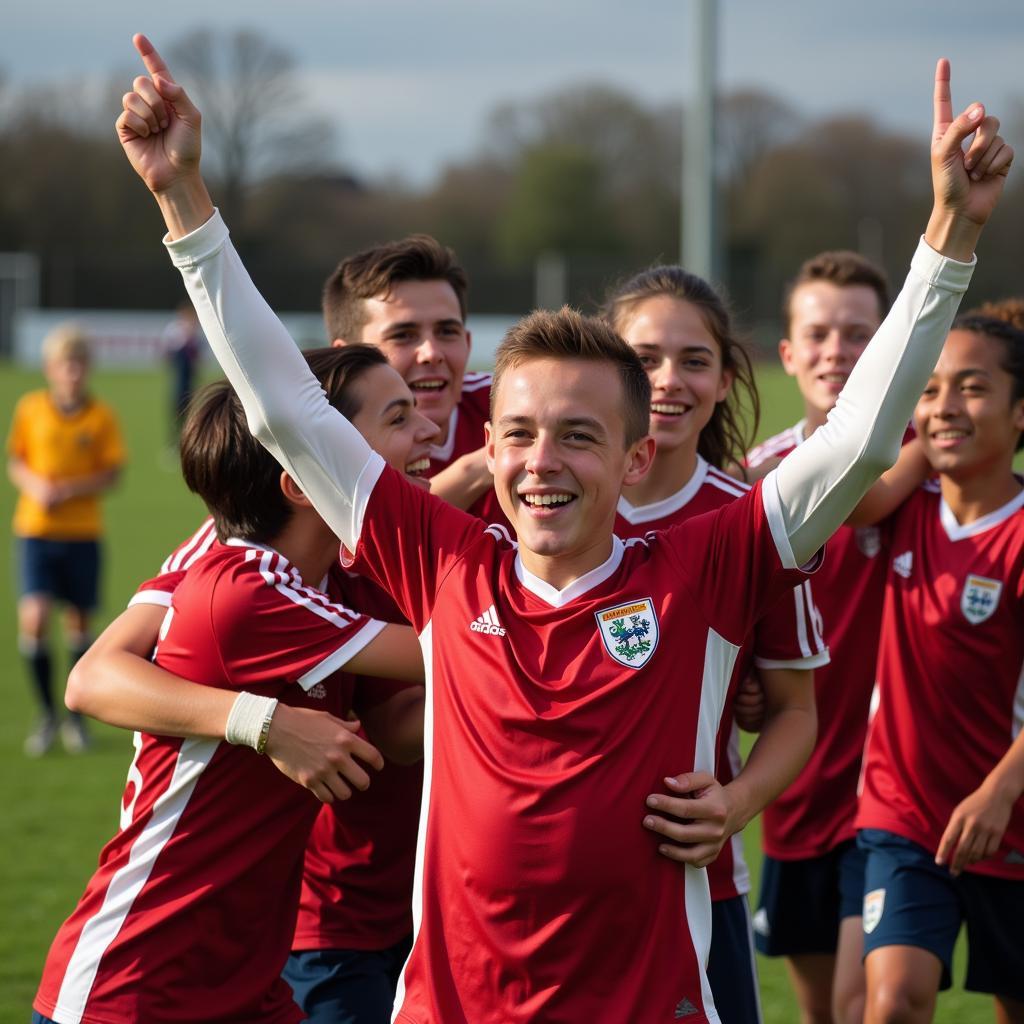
(157, 597)
(777, 524)
(941, 271)
(200, 244)
(819, 660)
(339, 658)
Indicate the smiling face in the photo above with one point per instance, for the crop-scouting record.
(557, 449)
(966, 417)
(829, 327)
(684, 365)
(418, 326)
(390, 422)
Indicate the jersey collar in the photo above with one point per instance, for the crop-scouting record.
(443, 452)
(559, 598)
(666, 506)
(957, 532)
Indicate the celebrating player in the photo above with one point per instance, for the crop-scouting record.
(812, 874)
(940, 817)
(595, 665)
(202, 879)
(682, 332)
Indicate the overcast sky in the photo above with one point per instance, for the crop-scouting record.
(410, 82)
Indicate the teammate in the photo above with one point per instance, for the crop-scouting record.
(408, 298)
(812, 874)
(597, 663)
(203, 878)
(682, 332)
(64, 451)
(941, 817)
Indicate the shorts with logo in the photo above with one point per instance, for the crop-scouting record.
(66, 570)
(732, 968)
(803, 901)
(912, 901)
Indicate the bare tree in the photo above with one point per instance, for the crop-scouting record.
(254, 119)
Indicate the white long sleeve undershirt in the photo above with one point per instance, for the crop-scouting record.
(806, 498)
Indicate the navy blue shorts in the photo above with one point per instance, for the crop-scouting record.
(347, 986)
(909, 900)
(38, 1018)
(732, 971)
(803, 901)
(66, 570)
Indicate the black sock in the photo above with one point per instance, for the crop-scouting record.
(75, 651)
(40, 669)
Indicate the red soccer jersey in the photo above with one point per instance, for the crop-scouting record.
(950, 697)
(789, 636)
(816, 811)
(190, 912)
(465, 435)
(551, 715)
(358, 872)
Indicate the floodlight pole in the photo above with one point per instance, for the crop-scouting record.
(698, 221)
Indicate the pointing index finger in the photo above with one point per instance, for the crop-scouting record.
(153, 61)
(942, 100)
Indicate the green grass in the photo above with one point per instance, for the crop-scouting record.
(58, 811)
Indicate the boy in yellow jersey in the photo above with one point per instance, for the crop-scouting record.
(64, 450)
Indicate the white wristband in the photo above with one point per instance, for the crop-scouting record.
(249, 721)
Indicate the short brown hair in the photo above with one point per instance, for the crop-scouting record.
(568, 334)
(843, 268)
(730, 432)
(237, 478)
(376, 271)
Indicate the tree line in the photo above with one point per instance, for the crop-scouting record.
(587, 175)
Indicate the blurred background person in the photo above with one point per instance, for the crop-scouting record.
(64, 451)
(182, 343)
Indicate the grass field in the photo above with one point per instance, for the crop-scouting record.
(58, 811)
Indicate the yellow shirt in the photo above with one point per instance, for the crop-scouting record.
(62, 446)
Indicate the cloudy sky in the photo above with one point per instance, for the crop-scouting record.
(410, 82)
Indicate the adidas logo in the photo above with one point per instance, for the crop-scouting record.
(317, 691)
(488, 623)
(685, 1009)
(903, 565)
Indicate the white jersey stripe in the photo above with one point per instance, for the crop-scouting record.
(127, 883)
(342, 656)
(159, 597)
(727, 484)
(197, 545)
(719, 661)
(801, 621)
(815, 619)
(426, 645)
(740, 871)
(1018, 707)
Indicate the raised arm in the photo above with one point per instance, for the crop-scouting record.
(160, 131)
(813, 490)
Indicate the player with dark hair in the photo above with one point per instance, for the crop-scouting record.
(601, 663)
(940, 815)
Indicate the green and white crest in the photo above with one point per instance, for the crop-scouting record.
(629, 631)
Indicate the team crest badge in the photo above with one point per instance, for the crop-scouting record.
(629, 632)
(980, 598)
(874, 904)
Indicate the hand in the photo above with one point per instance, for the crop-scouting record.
(159, 128)
(705, 818)
(749, 706)
(319, 751)
(966, 185)
(975, 828)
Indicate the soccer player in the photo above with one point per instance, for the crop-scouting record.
(408, 298)
(812, 874)
(940, 816)
(201, 883)
(594, 665)
(699, 372)
(64, 451)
